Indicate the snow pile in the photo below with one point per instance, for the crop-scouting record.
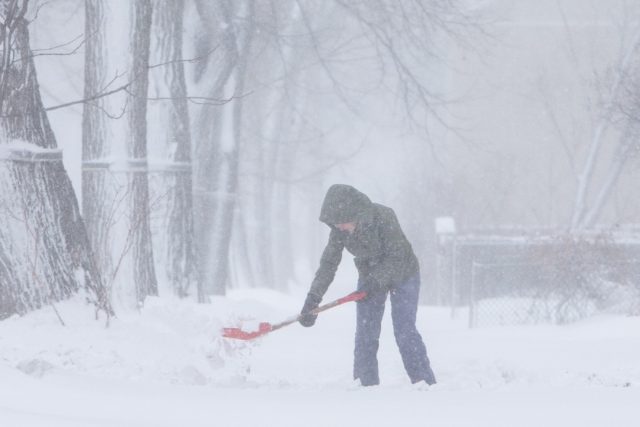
(168, 365)
(169, 341)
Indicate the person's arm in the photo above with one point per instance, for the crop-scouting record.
(329, 262)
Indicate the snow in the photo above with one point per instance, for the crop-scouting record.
(167, 365)
(26, 151)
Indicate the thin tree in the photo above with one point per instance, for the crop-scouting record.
(218, 141)
(175, 143)
(144, 276)
(584, 216)
(270, 149)
(96, 206)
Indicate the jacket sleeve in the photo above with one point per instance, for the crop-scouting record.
(395, 249)
(331, 257)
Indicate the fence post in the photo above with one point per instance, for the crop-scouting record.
(452, 297)
(472, 297)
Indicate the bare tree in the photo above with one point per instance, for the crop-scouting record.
(584, 216)
(307, 50)
(218, 139)
(276, 129)
(96, 206)
(42, 236)
(116, 199)
(174, 143)
(144, 276)
(626, 149)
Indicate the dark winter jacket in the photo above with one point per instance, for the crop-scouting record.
(383, 255)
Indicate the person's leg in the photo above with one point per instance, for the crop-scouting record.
(404, 306)
(368, 325)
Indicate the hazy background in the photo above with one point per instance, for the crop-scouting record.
(518, 92)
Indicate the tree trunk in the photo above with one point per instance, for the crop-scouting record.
(256, 189)
(607, 188)
(218, 151)
(144, 277)
(95, 202)
(281, 236)
(43, 241)
(208, 134)
(176, 145)
(581, 209)
(225, 183)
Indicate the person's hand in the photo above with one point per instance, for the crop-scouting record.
(310, 303)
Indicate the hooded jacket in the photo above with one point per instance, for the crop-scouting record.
(383, 255)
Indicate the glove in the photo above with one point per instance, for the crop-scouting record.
(310, 303)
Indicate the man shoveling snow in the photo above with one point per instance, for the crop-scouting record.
(386, 264)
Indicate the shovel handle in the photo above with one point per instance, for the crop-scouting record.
(266, 327)
(354, 296)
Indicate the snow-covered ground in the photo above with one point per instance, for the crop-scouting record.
(168, 366)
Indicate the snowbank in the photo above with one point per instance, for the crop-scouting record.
(167, 365)
(169, 341)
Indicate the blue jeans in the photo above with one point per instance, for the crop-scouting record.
(404, 305)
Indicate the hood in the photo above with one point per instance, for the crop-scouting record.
(343, 204)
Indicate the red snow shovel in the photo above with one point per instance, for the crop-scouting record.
(265, 327)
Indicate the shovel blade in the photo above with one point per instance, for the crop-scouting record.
(238, 334)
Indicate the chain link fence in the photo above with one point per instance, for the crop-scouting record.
(529, 293)
(535, 278)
